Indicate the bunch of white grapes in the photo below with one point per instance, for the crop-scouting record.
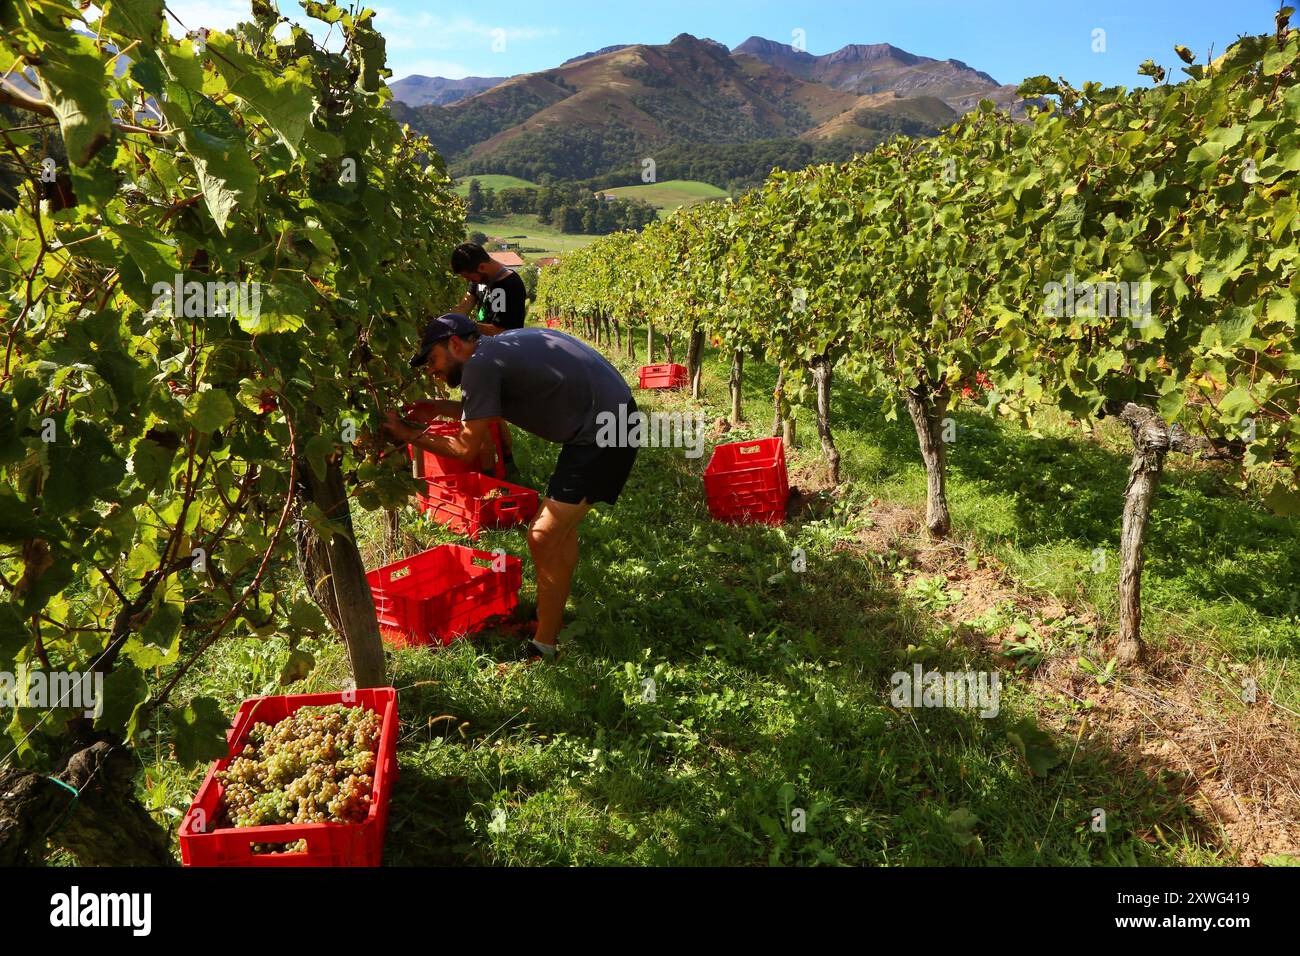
(314, 766)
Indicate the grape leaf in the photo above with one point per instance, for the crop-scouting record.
(216, 147)
(209, 410)
(285, 102)
(152, 463)
(1282, 310)
(199, 731)
(1235, 326)
(297, 667)
(125, 691)
(71, 77)
(138, 19)
(18, 520)
(83, 466)
(1035, 746)
(1282, 500)
(159, 639)
(306, 616)
(150, 263)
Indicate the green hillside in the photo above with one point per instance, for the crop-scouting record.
(527, 236)
(493, 181)
(595, 118)
(669, 195)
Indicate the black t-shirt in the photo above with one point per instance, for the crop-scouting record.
(504, 301)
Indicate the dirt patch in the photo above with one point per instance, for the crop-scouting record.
(1240, 762)
(811, 477)
(1182, 712)
(891, 528)
(811, 492)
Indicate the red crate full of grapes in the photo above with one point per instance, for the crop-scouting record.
(472, 502)
(746, 482)
(665, 375)
(443, 593)
(207, 839)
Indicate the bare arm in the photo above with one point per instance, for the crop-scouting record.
(465, 446)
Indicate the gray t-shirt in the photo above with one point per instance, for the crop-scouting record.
(544, 381)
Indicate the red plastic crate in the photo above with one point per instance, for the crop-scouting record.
(552, 323)
(429, 465)
(441, 594)
(663, 376)
(755, 509)
(328, 844)
(460, 502)
(746, 482)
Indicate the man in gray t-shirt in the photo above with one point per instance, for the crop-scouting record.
(558, 388)
(544, 381)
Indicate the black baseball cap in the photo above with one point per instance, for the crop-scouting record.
(441, 329)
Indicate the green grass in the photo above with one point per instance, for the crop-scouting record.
(771, 688)
(528, 236)
(671, 194)
(493, 181)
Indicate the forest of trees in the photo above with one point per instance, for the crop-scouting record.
(734, 167)
(583, 156)
(564, 153)
(565, 206)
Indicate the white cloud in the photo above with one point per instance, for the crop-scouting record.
(227, 14)
(428, 31)
(413, 40)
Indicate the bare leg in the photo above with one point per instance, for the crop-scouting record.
(553, 543)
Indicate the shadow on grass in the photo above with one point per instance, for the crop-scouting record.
(1202, 534)
(1205, 540)
(709, 697)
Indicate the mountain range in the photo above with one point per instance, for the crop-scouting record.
(883, 68)
(600, 116)
(438, 90)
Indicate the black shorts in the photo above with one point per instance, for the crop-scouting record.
(591, 472)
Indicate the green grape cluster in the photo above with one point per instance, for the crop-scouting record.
(298, 846)
(316, 765)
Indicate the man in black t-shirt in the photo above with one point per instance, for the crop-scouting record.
(498, 299)
(496, 291)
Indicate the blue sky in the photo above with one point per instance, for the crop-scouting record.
(1009, 40)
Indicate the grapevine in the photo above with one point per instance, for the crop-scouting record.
(166, 457)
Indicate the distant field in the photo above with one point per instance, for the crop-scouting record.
(671, 194)
(538, 240)
(493, 181)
